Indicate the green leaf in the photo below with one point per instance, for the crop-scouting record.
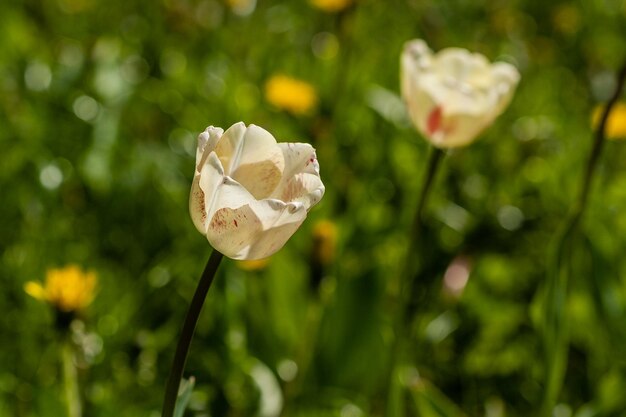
(556, 333)
(186, 388)
(431, 402)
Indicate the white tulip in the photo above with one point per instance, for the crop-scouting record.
(453, 95)
(250, 194)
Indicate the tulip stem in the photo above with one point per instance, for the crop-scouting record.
(406, 308)
(599, 140)
(433, 163)
(189, 326)
(556, 335)
(410, 268)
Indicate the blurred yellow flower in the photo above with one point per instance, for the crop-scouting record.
(68, 289)
(253, 265)
(616, 125)
(295, 96)
(324, 241)
(331, 5)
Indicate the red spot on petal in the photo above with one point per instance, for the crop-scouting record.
(433, 124)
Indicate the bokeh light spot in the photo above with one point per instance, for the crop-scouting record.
(159, 276)
(182, 142)
(287, 370)
(86, 108)
(475, 186)
(457, 275)
(325, 45)
(351, 410)
(510, 217)
(51, 176)
(38, 76)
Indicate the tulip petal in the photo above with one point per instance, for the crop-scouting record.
(207, 141)
(419, 113)
(301, 181)
(462, 129)
(232, 230)
(260, 178)
(203, 190)
(228, 145)
(416, 58)
(241, 234)
(462, 66)
(240, 226)
(255, 230)
(271, 240)
(506, 78)
(455, 96)
(304, 188)
(299, 157)
(197, 208)
(252, 158)
(279, 221)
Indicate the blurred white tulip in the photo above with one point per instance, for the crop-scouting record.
(453, 95)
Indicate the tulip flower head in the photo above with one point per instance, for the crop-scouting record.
(250, 194)
(453, 95)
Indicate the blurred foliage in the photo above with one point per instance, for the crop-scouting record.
(100, 104)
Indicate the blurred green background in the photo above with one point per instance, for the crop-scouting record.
(100, 107)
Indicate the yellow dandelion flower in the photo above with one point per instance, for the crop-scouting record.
(331, 6)
(324, 241)
(253, 265)
(290, 94)
(616, 125)
(68, 289)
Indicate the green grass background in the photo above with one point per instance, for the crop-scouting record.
(100, 105)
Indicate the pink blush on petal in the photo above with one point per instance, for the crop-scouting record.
(433, 123)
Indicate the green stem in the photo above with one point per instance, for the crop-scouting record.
(70, 379)
(433, 164)
(599, 140)
(180, 357)
(556, 335)
(406, 309)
